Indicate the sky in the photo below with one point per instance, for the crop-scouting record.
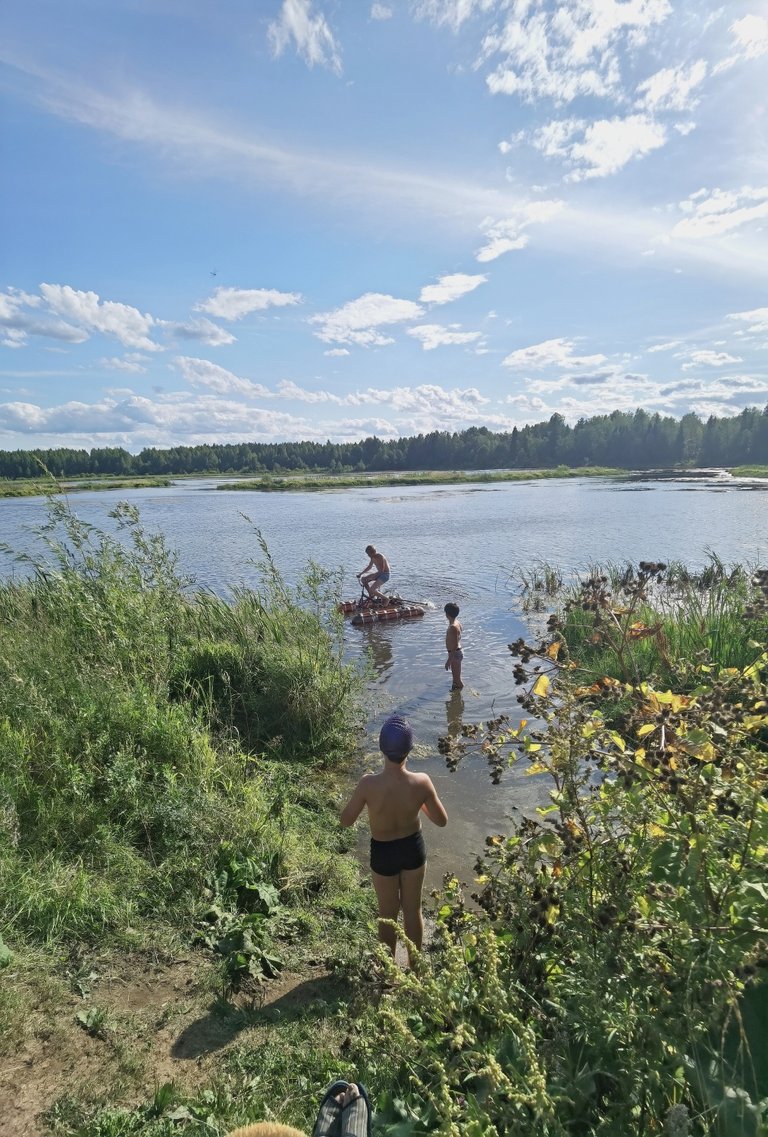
(262, 220)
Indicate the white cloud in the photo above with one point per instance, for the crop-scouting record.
(570, 51)
(108, 317)
(597, 149)
(203, 373)
(287, 389)
(757, 319)
(671, 89)
(668, 346)
(137, 421)
(380, 12)
(750, 41)
(234, 303)
(507, 234)
(451, 13)
(550, 353)
(706, 358)
(435, 335)
(311, 36)
(337, 351)
(451, 287)
(203, 330)
(711, 213)
(133, 362)
(357, 321)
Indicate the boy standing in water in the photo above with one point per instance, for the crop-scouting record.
(396, 797)
(453, 645)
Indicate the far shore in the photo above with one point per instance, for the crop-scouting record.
(270, 483)
(302, 481)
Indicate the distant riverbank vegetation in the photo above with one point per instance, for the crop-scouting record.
(269, 483)
(625, 440)
(34, 487)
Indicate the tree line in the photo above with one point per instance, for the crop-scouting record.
(636, 440)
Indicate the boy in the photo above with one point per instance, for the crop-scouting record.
(396, 797)
(374, 580)
(453, 645)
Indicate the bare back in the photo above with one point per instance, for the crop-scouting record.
(395, 799)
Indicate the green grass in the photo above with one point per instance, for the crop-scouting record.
(36, 487)
(144, 726)
(274, 483)
(749, 471)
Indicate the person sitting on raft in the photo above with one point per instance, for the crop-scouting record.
(372, 581)
(396, 797)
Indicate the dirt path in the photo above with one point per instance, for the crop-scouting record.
(148, 1022)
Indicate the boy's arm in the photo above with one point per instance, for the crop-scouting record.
(354, 806)
(369, 565)
(433, 807)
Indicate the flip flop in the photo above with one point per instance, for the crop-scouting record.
(356, 1116)
(327, 1123)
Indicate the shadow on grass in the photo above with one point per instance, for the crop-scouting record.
(312, 998)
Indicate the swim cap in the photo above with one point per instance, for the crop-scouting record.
(396, 737)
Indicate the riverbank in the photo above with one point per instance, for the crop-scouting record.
(38, 487)
(168, 840)
(182, 914)
(271, 483)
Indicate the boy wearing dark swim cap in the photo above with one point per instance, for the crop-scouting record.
(395, 798)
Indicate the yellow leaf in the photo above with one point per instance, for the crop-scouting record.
(554, 649)
(617, 740)
(541, 686)
(536, 768)
(647, 728)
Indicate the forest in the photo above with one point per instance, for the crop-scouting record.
(636, 440)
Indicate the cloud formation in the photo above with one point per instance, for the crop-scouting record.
(435, 335)
(711, 213)
(569, 52)
(550, 353)
(357, 322)
(126, 324)
(234, 303)
(451, 287)
(508, 233)
(597, 149)
(310, 35)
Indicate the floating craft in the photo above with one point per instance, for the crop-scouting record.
(385, 608)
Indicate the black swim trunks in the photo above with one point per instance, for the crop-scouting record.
(388, 858)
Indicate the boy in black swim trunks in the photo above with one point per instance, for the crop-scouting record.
(396, 797)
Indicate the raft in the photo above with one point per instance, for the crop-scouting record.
(388, 608)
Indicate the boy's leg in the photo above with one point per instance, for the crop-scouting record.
(411, 882)
(388, 896)
(456, 673)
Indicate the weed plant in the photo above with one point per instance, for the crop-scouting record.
(629, 623)
(611, 978)
(145, 726)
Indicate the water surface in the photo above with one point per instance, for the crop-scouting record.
(444, 543)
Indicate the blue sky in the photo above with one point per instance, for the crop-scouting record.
(257, 220)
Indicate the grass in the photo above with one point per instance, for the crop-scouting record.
(749, 471)
(678, 616)
(166, 764)
(37, 487)
(308, 483)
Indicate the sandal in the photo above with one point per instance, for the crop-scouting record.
(356, 1115)
(327, 1123)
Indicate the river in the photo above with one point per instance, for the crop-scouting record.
(444, 543)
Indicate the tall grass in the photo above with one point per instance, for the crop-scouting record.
(679, 616)
(143, 724)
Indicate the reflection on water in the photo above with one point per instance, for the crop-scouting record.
(451, 543)
(454, 714)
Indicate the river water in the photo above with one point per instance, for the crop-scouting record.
(458, 543)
